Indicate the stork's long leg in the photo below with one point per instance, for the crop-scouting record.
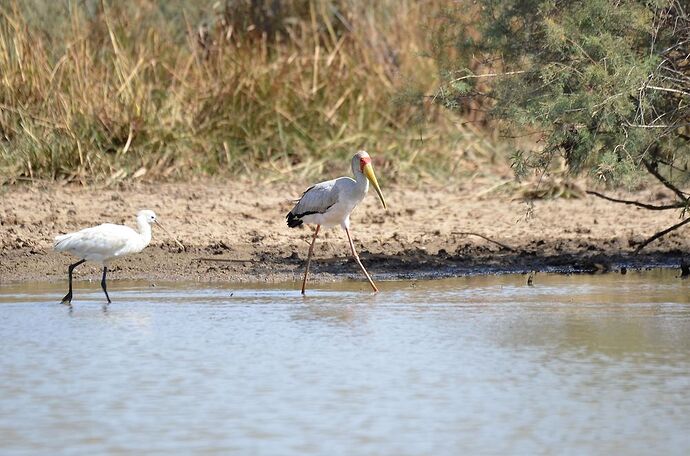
(105, 269)
(311, 250)
(68, 297)
(354, 253)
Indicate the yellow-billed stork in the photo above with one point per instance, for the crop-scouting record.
(331, 202)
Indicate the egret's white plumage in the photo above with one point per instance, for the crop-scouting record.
(104, 243)
(330, 203)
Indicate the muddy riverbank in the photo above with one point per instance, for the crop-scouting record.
(237, 232)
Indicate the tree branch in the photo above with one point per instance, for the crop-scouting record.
(467, 233)
(653, 171)
(637, 203)
(660, 234)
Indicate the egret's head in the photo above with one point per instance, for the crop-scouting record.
(362, 161)
(147, 215)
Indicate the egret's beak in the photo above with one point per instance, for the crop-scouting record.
(368, 171)
(168, 233)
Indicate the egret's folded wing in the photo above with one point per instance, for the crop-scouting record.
(105, 240)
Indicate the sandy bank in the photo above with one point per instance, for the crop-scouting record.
(245, 227)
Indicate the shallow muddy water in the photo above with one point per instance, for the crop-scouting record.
(576, 364)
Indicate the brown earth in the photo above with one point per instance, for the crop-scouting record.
(241, 228)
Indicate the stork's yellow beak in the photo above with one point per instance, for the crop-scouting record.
(368, 171)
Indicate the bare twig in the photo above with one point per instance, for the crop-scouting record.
(667, 89)
(227, 260)
(654, 172)
(637, 203)
(467, 233)
(334, 259)
(486, 75)
(660, 234)
(655, 126)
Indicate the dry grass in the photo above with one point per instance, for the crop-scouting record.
(122, 91)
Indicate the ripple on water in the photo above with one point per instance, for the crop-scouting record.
(575, 364)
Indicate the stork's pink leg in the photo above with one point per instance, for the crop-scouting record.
(354, 253)
(311, 250)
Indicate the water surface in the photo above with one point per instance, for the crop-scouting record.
(483, 365)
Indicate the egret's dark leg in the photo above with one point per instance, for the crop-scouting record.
(105, 269)
(311, 250)
(354, 253)
(68, 297)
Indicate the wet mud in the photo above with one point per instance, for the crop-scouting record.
(237, 232)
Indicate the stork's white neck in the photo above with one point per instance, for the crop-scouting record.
(144, 230)
(362, 181)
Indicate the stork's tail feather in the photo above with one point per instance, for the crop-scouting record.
(293, 221)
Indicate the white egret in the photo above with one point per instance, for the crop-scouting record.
(331, 202)
(106, 242)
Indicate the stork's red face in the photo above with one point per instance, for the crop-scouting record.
(368, 171)
(364, 161)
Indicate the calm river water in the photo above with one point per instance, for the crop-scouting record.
(577, 364)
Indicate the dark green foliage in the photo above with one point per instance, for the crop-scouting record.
(603, 84)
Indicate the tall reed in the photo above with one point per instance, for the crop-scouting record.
(107, 91)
